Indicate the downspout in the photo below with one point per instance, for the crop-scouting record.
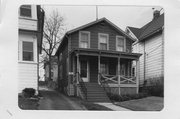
(144, 62)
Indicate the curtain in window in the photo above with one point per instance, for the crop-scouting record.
(84, 40)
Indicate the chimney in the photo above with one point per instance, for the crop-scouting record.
(156, 14)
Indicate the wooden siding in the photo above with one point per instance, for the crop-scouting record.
(154, 59)
(27, 76)
(101, 27)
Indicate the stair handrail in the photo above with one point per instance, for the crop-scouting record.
(82, 84)
(104, 84)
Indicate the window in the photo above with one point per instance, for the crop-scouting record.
(120, 43)
(104, 68)
(27, 51)
(25, 11)
(84, 40)
(103, 41)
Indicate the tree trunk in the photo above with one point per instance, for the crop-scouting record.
(49, 69)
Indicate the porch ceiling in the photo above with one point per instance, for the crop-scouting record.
(105, 53)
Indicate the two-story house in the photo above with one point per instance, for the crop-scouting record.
(31, 20)
(96, 55)
(150, 43)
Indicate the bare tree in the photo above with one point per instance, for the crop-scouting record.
(53, 31)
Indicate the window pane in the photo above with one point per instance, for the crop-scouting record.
(84, 37)
(103, 46)
(120, 42)
(27, 46)
(120, 48)
(27, 56)
(27, 51)
(25, 10)
(84, 45)
(103, 39)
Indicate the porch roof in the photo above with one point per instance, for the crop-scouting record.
(105, 53)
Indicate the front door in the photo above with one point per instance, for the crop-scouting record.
(84, 69)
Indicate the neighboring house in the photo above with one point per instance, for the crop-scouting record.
(94, 55)
(54, 71)
(31, 20)
(150, 43)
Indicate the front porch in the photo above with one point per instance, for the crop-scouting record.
(114, 71)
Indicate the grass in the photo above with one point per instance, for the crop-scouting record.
(27, 103)
(145, 104)
(89, 105)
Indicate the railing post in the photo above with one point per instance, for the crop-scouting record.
(137, 76)
(119, 78)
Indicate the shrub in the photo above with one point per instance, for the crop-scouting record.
(28, 92)
(154, 87)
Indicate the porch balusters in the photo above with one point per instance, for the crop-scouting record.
(119, 77)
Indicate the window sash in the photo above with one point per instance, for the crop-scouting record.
(103, 41)
(25, 10)
(27, 51)
(84, 39)
(120, 43)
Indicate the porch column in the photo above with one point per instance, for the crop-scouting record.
(78, 70)
(137, 75)
(99, 63)
(119, 78)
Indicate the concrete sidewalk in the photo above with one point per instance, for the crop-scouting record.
(113, 107)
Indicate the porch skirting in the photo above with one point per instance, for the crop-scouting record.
(123, 90)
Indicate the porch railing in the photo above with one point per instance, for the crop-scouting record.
(82, 85)
(114, 79)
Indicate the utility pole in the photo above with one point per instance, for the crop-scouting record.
(96, 12)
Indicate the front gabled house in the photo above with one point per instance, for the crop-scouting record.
(31, 20)
(97, 55)
(150, 43)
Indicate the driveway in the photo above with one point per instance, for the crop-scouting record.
(52, 100)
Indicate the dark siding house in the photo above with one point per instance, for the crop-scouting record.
(97, 55)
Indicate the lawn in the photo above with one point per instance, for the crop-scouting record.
(90, 105)
(145, 104)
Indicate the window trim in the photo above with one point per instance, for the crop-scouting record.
(88, 32)
(124, 50)
(99, 34)
(21, 51)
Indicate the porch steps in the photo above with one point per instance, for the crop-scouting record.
(95, 93)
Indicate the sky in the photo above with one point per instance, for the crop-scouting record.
(122, 16)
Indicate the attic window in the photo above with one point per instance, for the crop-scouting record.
(25, 11)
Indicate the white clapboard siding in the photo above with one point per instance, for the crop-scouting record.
(154, 57)
(27, 74)
(29, 23)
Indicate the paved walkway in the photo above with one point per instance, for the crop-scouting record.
(53, 100)
(113, 107)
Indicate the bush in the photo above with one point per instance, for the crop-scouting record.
(29, 92)
(154, 87)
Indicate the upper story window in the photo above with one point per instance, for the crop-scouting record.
(84, 39)
(103, 41)
(25, 11)
(27, 49)
(120, 44)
